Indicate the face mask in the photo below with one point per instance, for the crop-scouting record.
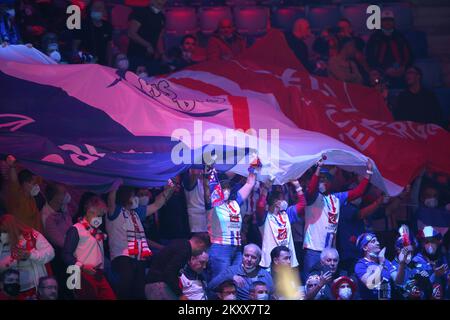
(262, 296)
(431, 202)
(56, 56)
(143, 201)
(123, 64)
(134, 203)
(96, 222)
(408, 258)
(430, 248)
(67, 198)
(283, 205)
(12, 289)
(11, 13)
(156, 10)
(96, 15)
(230, 297)
(35, 190)
(143, 75)
(226, 194)
(322, 187)
(388, 32)
(345, 293)
(4, 237)
(357, 202)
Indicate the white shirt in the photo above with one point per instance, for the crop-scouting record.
(198, 220)
(321, 221)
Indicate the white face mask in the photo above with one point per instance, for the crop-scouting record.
(56, 56)
(262, 296)
(357, 202)
(11, 13)
(430, 248)
(143, 75)
(230, 297)
(322, 187)
(283, 205)
(431, 202)
(408, 258)
(345, 293)
(67, 198)
(35, 190)
(144, 200)
(96, 15)
(123, 64)
(96, 222)
(4, 237)
(134, 203)
(226, 194)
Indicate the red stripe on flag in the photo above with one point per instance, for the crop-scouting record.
(241, 115)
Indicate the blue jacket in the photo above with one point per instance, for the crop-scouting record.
(242, 293)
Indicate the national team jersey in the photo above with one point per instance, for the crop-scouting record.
(276, 231)
(225, 222)
(321, 221)
(380, 287)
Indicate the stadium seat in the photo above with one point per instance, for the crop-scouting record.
(418, 42)
(251, 21)
(176, 3)
(119, 17)
(285, 17)
(403, 15)
(357, 15)
(209, 18)
(323, 16)
(137, 3)
(181, 21)
(431, 72)
(240, 3)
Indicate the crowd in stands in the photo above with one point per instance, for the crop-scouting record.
(384, 60)
(329, 235)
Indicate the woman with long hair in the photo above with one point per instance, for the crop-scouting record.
(25, 250)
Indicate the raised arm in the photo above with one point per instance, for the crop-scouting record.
(247, 188)
(161, 199)
(301, 203)
(112, 201)
(206, 191)
(361, 187)
(11, 162)
(311, 191)
(262, 201)
(371, 208)
(190, 179)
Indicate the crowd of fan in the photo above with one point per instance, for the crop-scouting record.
(384, 62)
(329, 235)
(263, 242)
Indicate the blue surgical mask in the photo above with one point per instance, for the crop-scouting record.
(262, 296)
(11, 13)
(96, 15)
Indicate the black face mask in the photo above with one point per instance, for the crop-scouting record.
(12, 289)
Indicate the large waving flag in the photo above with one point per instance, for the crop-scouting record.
(88, 125)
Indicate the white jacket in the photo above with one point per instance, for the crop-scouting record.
(32, 269)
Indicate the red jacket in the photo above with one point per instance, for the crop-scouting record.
(219, 49)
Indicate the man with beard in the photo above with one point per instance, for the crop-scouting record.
(9, 285)
(374, 272)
